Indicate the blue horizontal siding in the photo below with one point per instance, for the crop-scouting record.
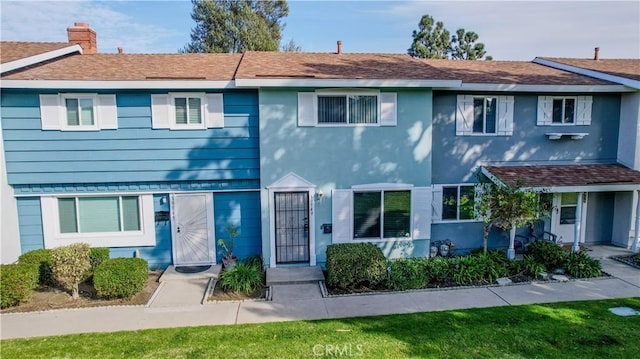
(242, 209)
(30, 224)
(134, 152)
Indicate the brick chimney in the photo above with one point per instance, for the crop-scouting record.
(82, 34)
(339, 47)
(596, 53)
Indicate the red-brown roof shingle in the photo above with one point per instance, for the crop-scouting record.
(628, 68)
(16, 50)
(565, 175)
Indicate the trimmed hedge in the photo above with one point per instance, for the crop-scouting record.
(352, 265)
(408, 273)
(42, 259)
(547, 253)
(16, 283)
(96, 257)
(121, 277)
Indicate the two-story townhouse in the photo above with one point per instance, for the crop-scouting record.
(150, 155)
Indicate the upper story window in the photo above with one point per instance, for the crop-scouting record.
(78, 112)
(187, 111)
(564, 110)
(347, 108)
(484, 115)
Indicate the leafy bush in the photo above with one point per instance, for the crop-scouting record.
(477, 269)
(255, 261)
(42, 259)
(16, 283)
(439, 271)
(532, 267)
(69, 265)
(352, 265)
(121, 277)
(408, 273)
(96, 257)
(636, 259)
(548, 254)
(580, 265)
(241, 278)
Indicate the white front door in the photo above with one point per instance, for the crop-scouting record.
(564, 216)
(192, 230)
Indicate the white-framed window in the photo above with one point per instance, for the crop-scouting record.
(564, 110)
(455, 202)
(78, 112)
(100, 220)
(347, 108)
(484, 115)
(381, 212)
(187, 110)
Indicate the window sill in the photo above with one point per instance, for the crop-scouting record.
(447, 221)
(557, 135)
(375, 240)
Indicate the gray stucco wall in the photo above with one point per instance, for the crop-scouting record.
(629, 142)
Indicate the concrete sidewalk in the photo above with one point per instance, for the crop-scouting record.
(304, 303)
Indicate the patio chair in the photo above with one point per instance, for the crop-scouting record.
(536, 233)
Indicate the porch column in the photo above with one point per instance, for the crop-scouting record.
(578, 224)
(511, 252)
(636, 232)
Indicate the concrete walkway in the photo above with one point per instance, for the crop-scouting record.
(303, 302)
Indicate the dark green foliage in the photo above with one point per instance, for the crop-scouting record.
(16, 283)
(636, 259)
(120, 277)
(41, 258)
(531, 267)
(477, 269)
(242, 278)
(439, 271)
(408, 273)
(580, 265)
(547, 253)
(96, 257)
(353, 265)
(464, 46)
(431, 40)
(255, 261)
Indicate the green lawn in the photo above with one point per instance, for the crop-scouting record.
(560, 330)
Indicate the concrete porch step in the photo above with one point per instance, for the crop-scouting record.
(294, 275)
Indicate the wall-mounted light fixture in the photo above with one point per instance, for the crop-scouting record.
(319, 196)
(163, 199)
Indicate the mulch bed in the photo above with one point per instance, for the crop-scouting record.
(628, 260)
(48, 298)
(220, 295)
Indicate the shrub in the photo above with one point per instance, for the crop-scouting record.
(352, 265)
(636, 259)
(16, 283)
(42, 259)
(96, 257)
(121, 277)
(477, 269)
(255, 261)
(532, 267)
(580, 265)
(407, 273)
(439, 271)
(242, 278)
(69, 265)
(548, 254)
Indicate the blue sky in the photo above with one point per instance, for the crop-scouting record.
(513, 30)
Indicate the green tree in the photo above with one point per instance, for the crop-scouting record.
(236, 25)
(431, 40)
(291, 46)
(465, 47)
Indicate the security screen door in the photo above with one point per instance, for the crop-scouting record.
(292, 227)
(192, 238)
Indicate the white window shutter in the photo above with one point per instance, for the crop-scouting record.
(50, 112)
(421, 212)
(215, 110)
(307, 109)
(160, 111)
(464, 115)
(505, 115)
(107, 112)
(436, 203)
(583, 110)
(545, 110)
(341, 202)
(388, 109)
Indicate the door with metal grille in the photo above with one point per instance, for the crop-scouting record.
(292, 227)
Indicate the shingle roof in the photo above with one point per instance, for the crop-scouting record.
(335, 66)
(132, 67)
(565, 175)
(509, 72)
(16, 50)
(628, 68)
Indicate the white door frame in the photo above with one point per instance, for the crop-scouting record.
(210, 226)
(555, 216)
(291, 183)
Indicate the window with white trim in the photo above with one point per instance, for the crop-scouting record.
(347, 108)
(100, 220)
(564, 110)
(484, 115)
(78, 112)
(187, 111)
(455, 202)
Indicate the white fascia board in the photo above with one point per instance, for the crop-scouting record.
(310, 82)
(590, 188)
(491, 177)
(540, 88)
(45, 56)
(118, 85)
(591, 73)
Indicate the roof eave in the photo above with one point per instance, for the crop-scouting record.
(540, 88)
(35, 59)
(312, 82)
(118, 85)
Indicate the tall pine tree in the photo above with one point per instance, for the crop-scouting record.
(237, 25)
